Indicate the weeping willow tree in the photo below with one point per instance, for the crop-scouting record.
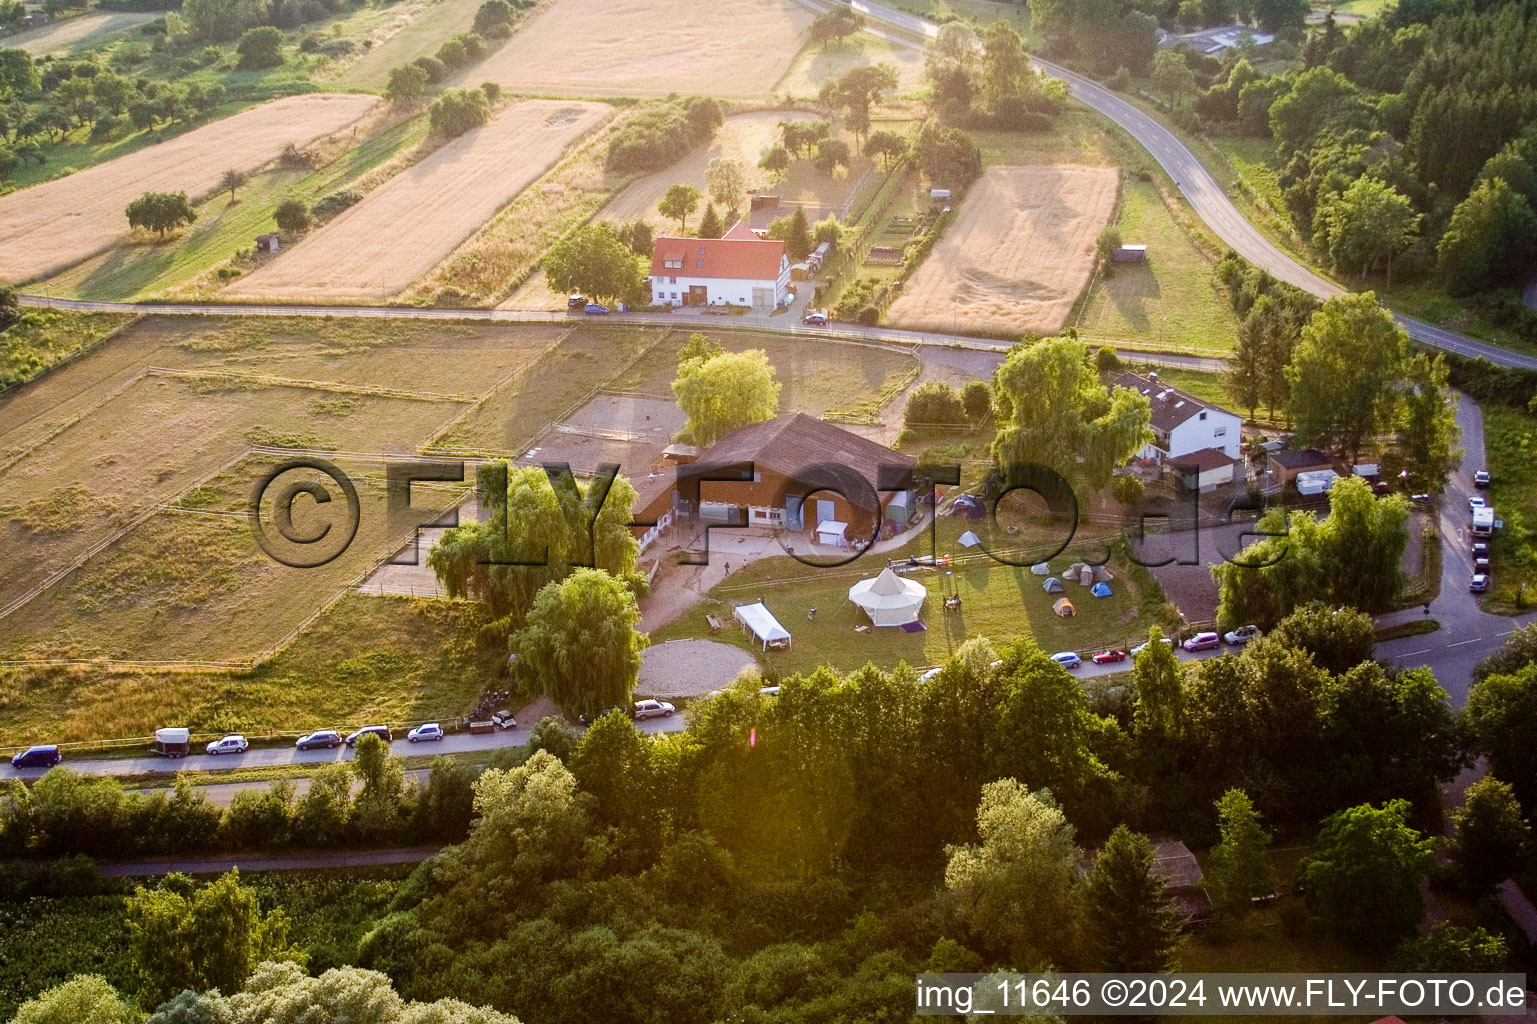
(542, 526)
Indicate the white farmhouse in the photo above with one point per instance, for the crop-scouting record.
(740, 269)
(1201, 443)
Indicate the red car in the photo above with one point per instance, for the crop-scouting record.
(1109, 657)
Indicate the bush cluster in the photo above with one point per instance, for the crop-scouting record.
(657, 137)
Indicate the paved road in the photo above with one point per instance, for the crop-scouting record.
(274, 862)
(269, 756)
(780, 324)
(1209, 200)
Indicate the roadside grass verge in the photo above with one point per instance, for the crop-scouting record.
(1510, 445)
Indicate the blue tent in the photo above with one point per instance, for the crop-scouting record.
(1052, 585)
(1101, 590)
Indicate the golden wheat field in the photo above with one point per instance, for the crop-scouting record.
(403, 228)
(726, 48)
(49, 227)
(1019, 254)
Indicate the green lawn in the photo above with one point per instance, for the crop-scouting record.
(1001, 602)
(1170, 302)
(43, 337)
(136, 269)
(385, 659)
(440, 21)
(1510, 444)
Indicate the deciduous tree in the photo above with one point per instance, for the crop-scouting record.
(160, 212)
(678, 202)
(1343, 372)
(726, 182)
(580, 645)
(1363, 878)
(723, 392)
(594, 261)
(1491, 838)
(1239, 871)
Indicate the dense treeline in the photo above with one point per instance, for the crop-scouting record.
(1409, 141)
(659, 135)
(363, 802)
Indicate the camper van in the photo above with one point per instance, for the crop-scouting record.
(1483, 521)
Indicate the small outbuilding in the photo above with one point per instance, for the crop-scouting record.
(1064, 607)
(1052, 585)
(1129, 254)
(267, 243)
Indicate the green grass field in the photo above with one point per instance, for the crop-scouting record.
(421, 37)
(1510, 445)
(138, 269)
(1170, 302)
(43, 337)
(368, 659)
(998, 601)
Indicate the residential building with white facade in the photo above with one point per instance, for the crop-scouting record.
(740, 269)
(1199, 442)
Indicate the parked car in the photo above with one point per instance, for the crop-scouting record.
(426, 731)
(1476, 501)
(504, 720)
(769, 691)
(930, 674)
(1067, 659)
(322, 738)
(595, 309)
(1203, 641)
(815, 318)
(1480, 549)
(577, 301)
(1109, 657)
(233, 744)
(381, 731)
(1481, 478)
(1382, 487)
(1481, 565)
(1420, 499)
(1479, 583)
(651, 709)
(1143, 646)
(45, 756)
(1242, 635)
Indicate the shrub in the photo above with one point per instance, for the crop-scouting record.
(977, 400)
(330, 205)
(492, 90)
(260, 48)
(493, 15)
(452, 54)
(407, 83)
(436, 70)
(474, 46)
(1126, 489)
(458, 111)
(933, 404)
(1107, 360)
(656, 138)
(292, 215)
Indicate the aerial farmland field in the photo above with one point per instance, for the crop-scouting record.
(728, 48)
(72, 33)
(1019, 254)
(403, 228)
(48, 227)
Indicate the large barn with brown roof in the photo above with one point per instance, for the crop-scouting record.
(740, 269)
(793, 472)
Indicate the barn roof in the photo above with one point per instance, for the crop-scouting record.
(1203, 461)
(737, 258)
(789, 445)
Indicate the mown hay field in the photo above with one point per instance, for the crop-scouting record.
(48, 227)
(402, 229)
(68, 34)
(1018, 255)
(728, 48)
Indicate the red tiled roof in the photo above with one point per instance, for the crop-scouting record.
(734, 258)
(741, 230)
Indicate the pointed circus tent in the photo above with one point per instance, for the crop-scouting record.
(889, 599)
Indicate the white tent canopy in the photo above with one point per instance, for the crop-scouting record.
(889, 599)
(764, 626)
(832, 532)
(968, 540)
